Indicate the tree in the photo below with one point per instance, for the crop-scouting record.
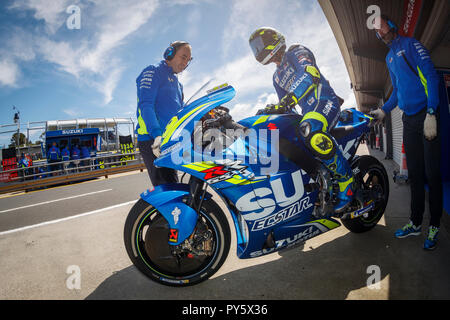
(22, 140)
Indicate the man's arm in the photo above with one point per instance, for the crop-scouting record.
(308, 76)
(393, 99)
(148, 85)
(426, 71)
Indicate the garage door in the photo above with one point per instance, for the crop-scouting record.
(397, 134)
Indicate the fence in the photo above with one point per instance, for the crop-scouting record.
(47, 174)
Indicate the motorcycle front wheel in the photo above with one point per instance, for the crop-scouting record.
(146, 236)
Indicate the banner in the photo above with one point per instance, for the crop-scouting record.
(411, 13)
(126, 146)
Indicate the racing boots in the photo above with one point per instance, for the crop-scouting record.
(344, 176)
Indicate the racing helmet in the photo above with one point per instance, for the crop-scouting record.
(265, 43)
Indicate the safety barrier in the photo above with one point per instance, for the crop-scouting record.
(68, 171)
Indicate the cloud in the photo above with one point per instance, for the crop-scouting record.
(52, 12)
(245, 110)
(71, 112)
(9, 73)
(89, 54)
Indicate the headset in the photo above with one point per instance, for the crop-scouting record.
(172, 49)
(393, 27)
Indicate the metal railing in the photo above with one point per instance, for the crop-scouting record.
(47, 174)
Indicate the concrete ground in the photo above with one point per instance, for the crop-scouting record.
(45, 262)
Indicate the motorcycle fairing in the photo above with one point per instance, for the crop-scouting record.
(266, 224)
(168, 200)
(193, 112)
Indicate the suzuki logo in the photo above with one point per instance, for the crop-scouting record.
(259, 198)
(176, 213)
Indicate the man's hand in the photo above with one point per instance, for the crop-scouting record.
(156, 146)
(275, 109)
(378, 114)
(430, 127)
(289, 100)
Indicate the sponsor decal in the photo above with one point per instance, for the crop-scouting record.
(214, 172)
(282, 215)
(401, 53)
(176, 213)
(327, 108)
(346, 150)
(225, 170)
(268, 198)
(411, 13)
(73, 131)
(173, 235)
(304, 235)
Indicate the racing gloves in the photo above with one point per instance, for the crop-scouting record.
(286, 103)
(430, 127)
(378, 114)
(156, 146)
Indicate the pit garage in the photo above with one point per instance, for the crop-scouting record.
(364, 55)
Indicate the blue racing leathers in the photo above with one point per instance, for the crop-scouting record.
(160, 97)
(415, 81)
(298, 78)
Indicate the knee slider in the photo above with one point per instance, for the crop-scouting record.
(320, 143)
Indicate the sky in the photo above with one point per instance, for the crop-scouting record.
(74, 59)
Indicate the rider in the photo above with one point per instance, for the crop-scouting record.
(297, 80)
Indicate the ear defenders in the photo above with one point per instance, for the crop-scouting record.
(393, 27)
(172, 49)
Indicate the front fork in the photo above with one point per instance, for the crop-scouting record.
(199, 242)
(196, 193)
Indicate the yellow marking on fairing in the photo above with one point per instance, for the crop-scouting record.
(174, 123)
(327, 223)
(260, 120)
(199, 166)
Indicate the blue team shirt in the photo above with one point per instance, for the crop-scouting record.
(53, 153)
(160, 97)
(411, 92)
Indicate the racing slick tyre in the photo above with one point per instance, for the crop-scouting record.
(371, 176)
(146, 236)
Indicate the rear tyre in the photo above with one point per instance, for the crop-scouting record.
(371, 176)
(146, 235)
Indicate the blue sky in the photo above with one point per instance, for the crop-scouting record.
(51, 72)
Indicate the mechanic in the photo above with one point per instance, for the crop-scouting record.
(160, 97)
(297, 80)
(65, 156)
(415, 90)
(53, 155)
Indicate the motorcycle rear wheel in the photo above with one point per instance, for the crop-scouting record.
(372, 174)
(146, 235)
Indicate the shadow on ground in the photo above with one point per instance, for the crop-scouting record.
(330, 271)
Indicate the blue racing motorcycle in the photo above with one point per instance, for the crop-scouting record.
(276, 193)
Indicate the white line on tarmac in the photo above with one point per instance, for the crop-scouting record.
(66, 219)
(50, 201)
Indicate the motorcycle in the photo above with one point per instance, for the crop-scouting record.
(178, 234)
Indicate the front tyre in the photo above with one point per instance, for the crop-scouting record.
(146, 235)
(372, 177)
